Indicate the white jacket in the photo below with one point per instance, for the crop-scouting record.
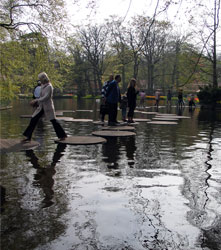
(45, 102)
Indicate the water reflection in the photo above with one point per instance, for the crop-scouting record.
(115, 148)
(43, 177)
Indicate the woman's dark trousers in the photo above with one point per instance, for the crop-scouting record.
(34, 120)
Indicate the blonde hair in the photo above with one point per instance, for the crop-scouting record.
(132, 83)
(43, 77)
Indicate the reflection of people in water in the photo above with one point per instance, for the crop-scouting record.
(111, 150)
(44, 175)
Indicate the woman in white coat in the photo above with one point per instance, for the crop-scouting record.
(46, 108)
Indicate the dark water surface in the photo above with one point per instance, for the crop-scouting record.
(158, 190)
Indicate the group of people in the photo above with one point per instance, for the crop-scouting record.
(111, 96)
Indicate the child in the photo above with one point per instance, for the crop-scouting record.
(123, 107)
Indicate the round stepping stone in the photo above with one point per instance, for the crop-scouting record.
(25, 116)
(14, 145)
(82, 140)
(164, 119)
(165, 114)
(99, 123)
(113, 133)
(141, 120)
(162, 122)
(66, 111)
(59, 113)
(81, 110)
(173, 116)
(119, 128)
(82, 120)
(65, 119)
(149, 113)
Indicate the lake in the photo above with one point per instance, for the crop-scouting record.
(160, 189)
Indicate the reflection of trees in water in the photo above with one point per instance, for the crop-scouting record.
(198, 189)
(25, 225)
(152, 233)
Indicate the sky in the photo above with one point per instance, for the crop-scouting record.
(178, 14)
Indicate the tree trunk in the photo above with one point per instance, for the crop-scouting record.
(215, 81)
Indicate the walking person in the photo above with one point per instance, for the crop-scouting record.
(180, 98)
(169, 97)
(45, 107)
(142, 98)
(157, 98)
(104, 106)
(112, 98)
(132, 97)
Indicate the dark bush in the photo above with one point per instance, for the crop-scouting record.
(209, 95)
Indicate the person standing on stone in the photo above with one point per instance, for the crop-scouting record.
(45, 107)
(132, 97)
(104, 106)
(112, 98)
(157, 98)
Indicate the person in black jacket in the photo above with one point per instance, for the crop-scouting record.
(131, 97)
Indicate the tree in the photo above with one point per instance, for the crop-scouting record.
(93, 40)
(32, 15)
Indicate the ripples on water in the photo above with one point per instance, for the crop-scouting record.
(157, 190)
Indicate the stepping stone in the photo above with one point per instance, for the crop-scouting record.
(82, 120)
(71, 119)
(149, 113)
(173, 116)
(25, 116)
(162, 122)
(164, 119)
(65, 119)
(113, 133)
(99, 122)
(14, 145)
(59, 113)
(66, 111)
(141, 120)
(165, 114)
(81, 110)
(82, 140)
(119, 128)
(6, 107)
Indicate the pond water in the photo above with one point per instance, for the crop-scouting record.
(157, 190)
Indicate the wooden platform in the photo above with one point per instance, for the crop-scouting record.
(82, 140)
(118, 128)
(162, 123)
(113, 133)
(14, 145)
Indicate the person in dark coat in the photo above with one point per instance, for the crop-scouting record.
(131, 97)
(112, 98)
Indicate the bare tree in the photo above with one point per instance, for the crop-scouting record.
(94, 40)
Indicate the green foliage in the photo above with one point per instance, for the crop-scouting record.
(209, 95)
